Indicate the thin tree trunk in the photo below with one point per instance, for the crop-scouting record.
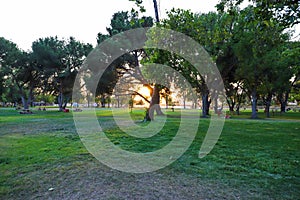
(238, 106)
(102, 101)
(167, 101)
(118, 101)
(268, 104)
(216, 108)
(60, 101)
(204, 105)
(184, 101)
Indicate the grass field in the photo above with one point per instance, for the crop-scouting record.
(42, 157)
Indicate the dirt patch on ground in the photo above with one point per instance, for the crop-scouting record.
(92, 180)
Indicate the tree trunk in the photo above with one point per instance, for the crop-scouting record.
(208, 102)
(195, 103)
(147, 116)
(267, 110)
(231, 105)
(65, 104)
(154, 103)
(204, 105)
(216, 107)
(25, 102)
(254, 104)
(268, 104)
(60, 101)
(283, 99)
(238, 106)
(184, 101)
(167, 101)
(102, 101)
(238, 109)
(118, 101)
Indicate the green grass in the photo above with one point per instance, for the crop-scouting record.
(258, 158)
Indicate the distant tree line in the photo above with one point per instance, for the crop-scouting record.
(252, 48)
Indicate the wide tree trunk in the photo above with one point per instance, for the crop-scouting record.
(254, 104)
(205, 105)
(283, 99)
(154, 103)
(208, 102)
(25, 102)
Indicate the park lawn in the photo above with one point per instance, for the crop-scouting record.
(41, 156)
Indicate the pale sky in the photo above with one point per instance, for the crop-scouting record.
(24, 21)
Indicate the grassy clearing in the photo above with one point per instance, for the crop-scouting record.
(252, 159)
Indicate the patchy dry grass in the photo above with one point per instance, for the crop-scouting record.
(42, 157)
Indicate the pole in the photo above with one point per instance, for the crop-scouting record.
(156, 10)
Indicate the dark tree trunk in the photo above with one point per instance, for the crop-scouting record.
(267, 110)
(208, 102)
(231, 104)
(283, 99)
(238, 106)
(205, 105)
(167, 101)
(60, 101)
(238, 109)
(102, 101)
(254, 104)
(154, 103)
(147, 117)
(25, 102)
(268, 104)
(65, 104)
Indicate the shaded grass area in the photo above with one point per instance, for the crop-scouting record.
(246, 114)
(253, 159)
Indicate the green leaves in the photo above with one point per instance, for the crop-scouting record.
(139, 3)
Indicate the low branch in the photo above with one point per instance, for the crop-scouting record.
(139, 94)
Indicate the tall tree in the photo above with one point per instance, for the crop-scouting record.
(128, 63)
(60, 60)
(289, 60)
(18, 70)
(284, 12)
